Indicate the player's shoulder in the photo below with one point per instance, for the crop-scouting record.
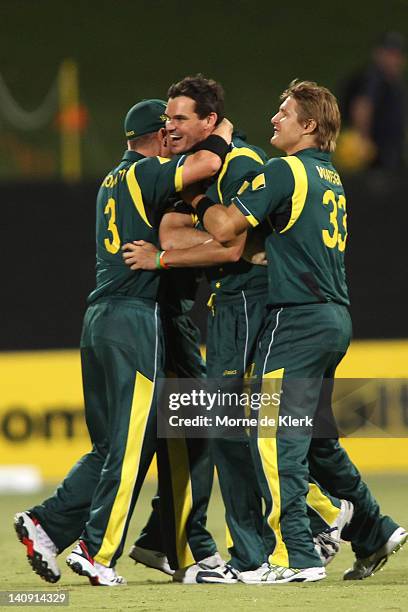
(243, 149)
(280, 171)
(150, 163)
(154, 167)
(277, 165)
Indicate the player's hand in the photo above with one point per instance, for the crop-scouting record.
(259, 259)
(140, 255)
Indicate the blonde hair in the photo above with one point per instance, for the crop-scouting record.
(318, 103)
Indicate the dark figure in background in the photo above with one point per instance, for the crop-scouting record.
(374, 103)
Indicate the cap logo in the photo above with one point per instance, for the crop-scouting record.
(163, 117)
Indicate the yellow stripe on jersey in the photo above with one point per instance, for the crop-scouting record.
(178, 178)
(321, 504)
(300, 191)
(163, 160)
(136, 192)
(244, 186)
(268, 451)
(252, 220)
(235, 152)
(182, 497)
(142, 399)
(258, 182)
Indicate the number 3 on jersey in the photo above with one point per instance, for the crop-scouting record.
(333, 237)
(113, 245)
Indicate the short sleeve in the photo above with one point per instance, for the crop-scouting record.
(261, 195)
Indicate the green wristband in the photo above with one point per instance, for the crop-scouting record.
(158, 262)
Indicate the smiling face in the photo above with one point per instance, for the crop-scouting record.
(184, 126)
(289, 133)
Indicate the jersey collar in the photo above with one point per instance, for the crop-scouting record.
(316, 153)
(132, 156)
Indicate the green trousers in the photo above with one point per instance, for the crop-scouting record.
(121, 354)
(234, 326)
(185, 466)
(299, 348)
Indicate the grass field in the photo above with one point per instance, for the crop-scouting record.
(150, 590)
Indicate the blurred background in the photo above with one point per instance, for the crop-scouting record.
(69, 71)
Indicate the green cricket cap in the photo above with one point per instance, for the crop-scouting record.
(145, 117)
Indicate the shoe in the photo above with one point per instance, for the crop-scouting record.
(363, 568)
(276, 574)
(223, 574)
(151, 558)
(327, 543)
(188, 575)
(81, 562)
(41, 550)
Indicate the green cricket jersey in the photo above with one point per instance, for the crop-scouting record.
(228, 279)
(129, 204)
(304, 199)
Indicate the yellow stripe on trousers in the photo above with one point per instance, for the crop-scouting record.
(228, 538)
(182, 497)
(321, 504)
(142, 399)
(269, 457)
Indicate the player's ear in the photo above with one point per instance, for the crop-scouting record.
(212, 119)
(164, 143)
(163, 136)
(310, 126)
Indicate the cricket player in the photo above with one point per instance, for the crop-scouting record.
(121, 355)
(306, 334)
(186, 541)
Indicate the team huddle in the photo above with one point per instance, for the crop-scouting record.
(270, 236)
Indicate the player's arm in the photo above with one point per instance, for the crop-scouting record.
(141, 255)
(259, 196)
(177, 230)
(224, 224)
(209, 253)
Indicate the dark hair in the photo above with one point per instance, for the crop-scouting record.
(207, 94)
